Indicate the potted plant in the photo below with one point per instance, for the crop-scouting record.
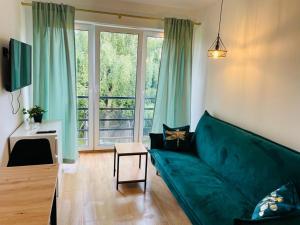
(36, 113)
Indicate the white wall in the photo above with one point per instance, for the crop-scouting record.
(126, 7)
(10, 27)
(198, 77)
(257, 86)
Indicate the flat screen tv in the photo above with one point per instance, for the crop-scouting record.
(19, 66)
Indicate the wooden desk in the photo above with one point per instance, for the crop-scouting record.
(27, 194)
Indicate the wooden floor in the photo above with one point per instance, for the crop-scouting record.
(90, 198)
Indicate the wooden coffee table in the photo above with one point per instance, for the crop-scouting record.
(130, 149)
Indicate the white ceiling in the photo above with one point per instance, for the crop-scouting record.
(186, 4)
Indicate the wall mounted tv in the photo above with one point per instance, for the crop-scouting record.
(18, 73)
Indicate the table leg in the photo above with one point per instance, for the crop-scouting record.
(53, 217)
(115, 151)
(118, 159)
(140, 158)
(146, 166)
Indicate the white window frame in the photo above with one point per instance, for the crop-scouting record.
(94, 73)
(91, 53)
(146, 35)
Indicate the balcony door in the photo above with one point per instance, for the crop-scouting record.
(117, 74)
(117, 83)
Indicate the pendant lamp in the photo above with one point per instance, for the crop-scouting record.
(218, 50)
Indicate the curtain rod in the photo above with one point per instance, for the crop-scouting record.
(119, 15)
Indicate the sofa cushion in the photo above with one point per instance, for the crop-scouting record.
(176, 138)
(252, 164)
(202, 193)
(281, 202)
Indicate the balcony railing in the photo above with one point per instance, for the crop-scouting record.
(115, 123)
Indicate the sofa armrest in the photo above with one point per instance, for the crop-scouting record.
(291, 220)
(156, 141)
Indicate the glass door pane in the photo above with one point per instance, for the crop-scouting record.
(82, 70)
(117, 100)
(154, 47)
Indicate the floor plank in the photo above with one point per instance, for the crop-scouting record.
(89, 195)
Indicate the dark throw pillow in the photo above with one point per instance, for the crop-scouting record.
(176, 138)
(282, 202)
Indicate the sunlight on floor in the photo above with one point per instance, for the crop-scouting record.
(90, 198)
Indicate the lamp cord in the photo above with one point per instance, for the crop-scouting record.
(220, 20)
(12, 101)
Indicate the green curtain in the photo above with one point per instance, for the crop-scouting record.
(54, 68)
(173, 100)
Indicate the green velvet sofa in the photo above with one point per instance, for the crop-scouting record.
(225, 173)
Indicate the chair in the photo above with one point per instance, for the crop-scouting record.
(31, 152)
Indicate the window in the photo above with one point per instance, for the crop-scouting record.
(154, 47)
(82, 71)
(122, 67)
(118, 65)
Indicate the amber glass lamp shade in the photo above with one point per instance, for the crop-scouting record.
(217, 54)
(217, 50)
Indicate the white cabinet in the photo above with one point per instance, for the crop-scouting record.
(54, 140)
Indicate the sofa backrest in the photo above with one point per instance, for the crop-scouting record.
(253, 164)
